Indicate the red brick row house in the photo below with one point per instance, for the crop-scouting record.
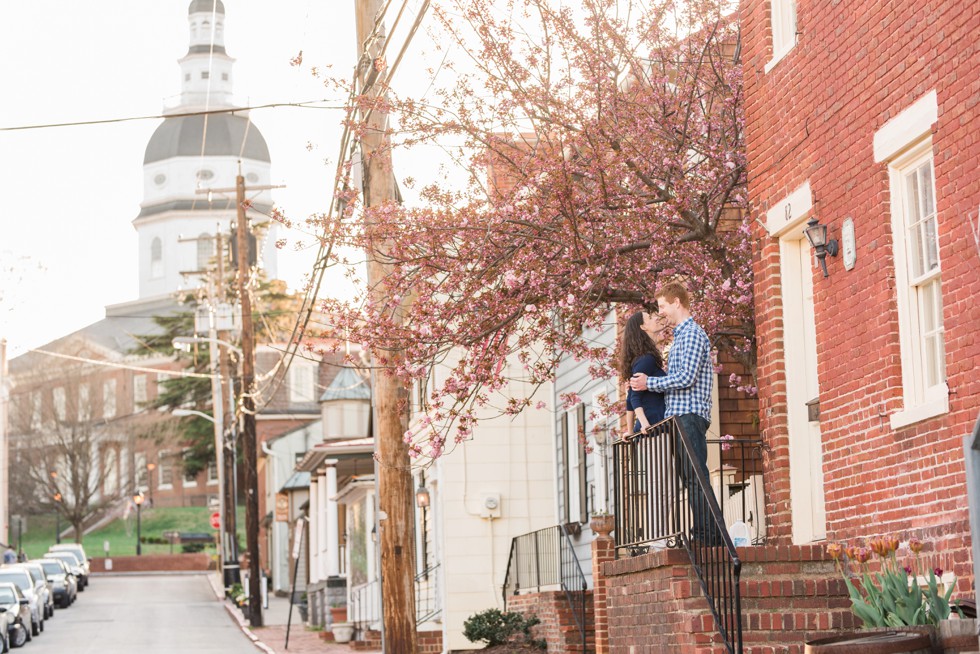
(863, 118)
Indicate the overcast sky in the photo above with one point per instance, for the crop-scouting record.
(70, 194)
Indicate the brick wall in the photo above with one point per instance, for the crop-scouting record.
(812, 117)
(429, 642)
(558, 626)
(155, 562)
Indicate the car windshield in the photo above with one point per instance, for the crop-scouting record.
(64, 556)
(69, 556)
(35, 573)
(7, 596)
(52, 568)
(22, 579)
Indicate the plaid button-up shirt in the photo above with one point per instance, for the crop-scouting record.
(687, 385)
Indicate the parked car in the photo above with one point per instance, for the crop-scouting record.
(23, 580)
(64, 587)
(17, 614)
(79, 551)
(71, 559)
(41, 585)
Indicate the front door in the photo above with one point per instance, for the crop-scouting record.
(802, 392)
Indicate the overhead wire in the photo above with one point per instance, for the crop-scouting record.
(112, 364)
(306, 104)
(341, 179)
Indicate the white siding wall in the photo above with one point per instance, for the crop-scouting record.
(514, 458)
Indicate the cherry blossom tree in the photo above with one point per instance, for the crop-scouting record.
(602, 147)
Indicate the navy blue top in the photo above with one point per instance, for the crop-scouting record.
(652, 402)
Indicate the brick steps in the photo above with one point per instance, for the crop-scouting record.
(789, 594)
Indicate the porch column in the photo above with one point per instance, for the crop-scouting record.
(322, 525)
(603, 550)
(314, 571)
(333, 538)
(372, 545)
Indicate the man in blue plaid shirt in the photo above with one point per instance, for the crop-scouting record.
(687, 391)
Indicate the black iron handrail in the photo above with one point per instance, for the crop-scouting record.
(365, 601)
(661, 496)
(365, 607)
(543, 560)
(426, 595)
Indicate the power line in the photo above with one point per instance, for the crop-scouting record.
(308, 104)
(110, 364)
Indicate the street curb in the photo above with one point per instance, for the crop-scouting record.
(236, 615)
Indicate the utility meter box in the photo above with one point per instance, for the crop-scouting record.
(490, 505)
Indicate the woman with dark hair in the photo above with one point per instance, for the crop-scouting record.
(638, 352)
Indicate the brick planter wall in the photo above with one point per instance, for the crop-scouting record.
(429, 642)
(155, 562)
(558, 626)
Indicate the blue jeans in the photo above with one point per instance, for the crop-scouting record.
(696, 428)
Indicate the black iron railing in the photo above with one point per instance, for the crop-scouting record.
(365, 602)
(364, 610)
(427, 604)
(737, 482)
(545, 560)
(664, 498)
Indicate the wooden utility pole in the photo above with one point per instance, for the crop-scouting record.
(249, 443)
(395, 489)
(247, 392)
(227, 465)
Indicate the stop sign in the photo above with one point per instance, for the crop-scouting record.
(215, 520)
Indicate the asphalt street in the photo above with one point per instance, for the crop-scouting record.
(143, 615)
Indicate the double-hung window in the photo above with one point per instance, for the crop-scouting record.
(918, 285)
(782, 20)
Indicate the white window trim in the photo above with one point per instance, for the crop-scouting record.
(787, 46)
(140, 393)
(906, 128)
(161, 458)
(207, 474)
(935, 400)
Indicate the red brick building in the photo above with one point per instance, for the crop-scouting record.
(864, 117)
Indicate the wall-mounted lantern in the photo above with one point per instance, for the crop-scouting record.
(817, 235)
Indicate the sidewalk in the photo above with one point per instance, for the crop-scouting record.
(271, 638)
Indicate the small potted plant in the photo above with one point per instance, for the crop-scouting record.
(338, 612)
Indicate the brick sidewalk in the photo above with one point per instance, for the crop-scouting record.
(301, 641)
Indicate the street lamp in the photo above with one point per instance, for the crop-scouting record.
(183, 413)
(138, 500)
(57, 518)
(150, 467)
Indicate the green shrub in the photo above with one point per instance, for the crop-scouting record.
(497, 627)
(192, 548)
